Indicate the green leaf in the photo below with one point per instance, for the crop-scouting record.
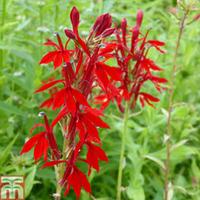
(156, 160)
(29, 181)
(10, 109)
(6, 152)
(135, 193)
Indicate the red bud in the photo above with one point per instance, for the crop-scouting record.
(108, 32)
(196, 17)
(139, 17)
(102, 23)
(74, 16)
(123, 27)
(70, 34)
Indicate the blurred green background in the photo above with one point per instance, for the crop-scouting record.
(25, 24)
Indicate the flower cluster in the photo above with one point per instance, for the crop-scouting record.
(82, 64)
(134, 67)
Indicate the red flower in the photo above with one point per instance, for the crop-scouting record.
(95, 154)
(57, 56)
(77, 180)
(40, 144)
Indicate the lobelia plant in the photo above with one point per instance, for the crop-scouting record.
(85, 79)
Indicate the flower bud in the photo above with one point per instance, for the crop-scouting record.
(108, 32)
(70, 34)
(139, 17)
(74, 16)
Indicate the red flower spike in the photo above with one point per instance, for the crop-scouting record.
(84, 68)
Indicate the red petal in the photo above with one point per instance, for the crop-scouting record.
(114, 73)
(102, 77)
(45, 150)
(79, 97)
(158, 79)
(31, 142)
(149, 97)
(70, 102)
(66, 57)
(93, 134)
(52, 163)
(60, 115)
(40, 148)
(96, 120)
(83, 45)
(59, 99)
(51, 43)
(84, 182)
(49, 57)
(101, 154)
(58, 60)
(80, 59)
(36, 126)
(156, 43)
(47, 103)
(48, 85)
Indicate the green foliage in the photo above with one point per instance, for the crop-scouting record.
(24, 26)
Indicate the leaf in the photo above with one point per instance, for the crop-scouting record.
(7, 26)
(10, 109)
(6, 152)
(156, 160)
(23, 24)
(135, 193)
(29, 181)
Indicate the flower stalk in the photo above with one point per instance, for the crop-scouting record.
(3, 17)
(170, 105)
(122, 151)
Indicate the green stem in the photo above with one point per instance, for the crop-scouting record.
(170, 107)
(120, 169)
(3, 16)
(60, 169)
(56, 15)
